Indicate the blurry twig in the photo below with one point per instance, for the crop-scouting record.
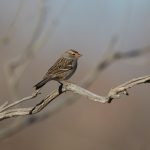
(16, 67)
(6, 39)
(109, 60)
(67, 86)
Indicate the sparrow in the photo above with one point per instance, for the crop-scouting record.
(62, 69)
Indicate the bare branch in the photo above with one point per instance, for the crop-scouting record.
(67, 86)
(122, 89)
(86, 82)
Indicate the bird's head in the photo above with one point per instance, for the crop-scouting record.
(72, 54)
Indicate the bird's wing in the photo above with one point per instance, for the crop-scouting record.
(62, 65)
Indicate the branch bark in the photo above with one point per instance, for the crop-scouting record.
(114, 93)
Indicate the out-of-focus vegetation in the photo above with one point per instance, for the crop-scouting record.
(35, 33)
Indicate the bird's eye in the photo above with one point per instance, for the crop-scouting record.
(73, 54)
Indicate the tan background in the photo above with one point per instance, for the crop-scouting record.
(87, 26)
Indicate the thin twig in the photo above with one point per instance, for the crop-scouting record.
(6, 106)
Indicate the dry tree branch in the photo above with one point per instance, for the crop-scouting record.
(67, 86)
(88, 80)
(122, 89)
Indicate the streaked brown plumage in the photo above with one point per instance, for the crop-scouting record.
(63, 69)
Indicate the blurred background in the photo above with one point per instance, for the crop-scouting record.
(33, 34)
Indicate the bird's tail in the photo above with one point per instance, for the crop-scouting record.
(41, 83)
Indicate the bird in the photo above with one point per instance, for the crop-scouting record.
(62, 69)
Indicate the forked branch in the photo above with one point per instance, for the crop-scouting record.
(115, 93)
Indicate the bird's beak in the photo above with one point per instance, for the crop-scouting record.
(79, 55)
